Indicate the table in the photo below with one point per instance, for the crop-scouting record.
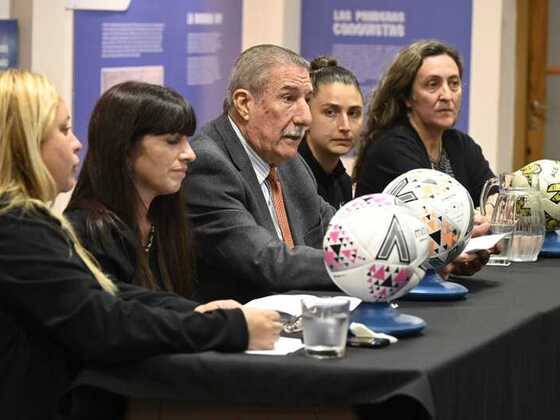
(494, 355)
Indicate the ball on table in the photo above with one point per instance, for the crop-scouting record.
(374, 247)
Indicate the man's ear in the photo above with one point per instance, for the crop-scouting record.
(242, 99)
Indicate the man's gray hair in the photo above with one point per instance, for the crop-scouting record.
(252, 67)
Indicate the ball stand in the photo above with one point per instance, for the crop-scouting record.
(433, 287)
(381, 317)
(551, 245)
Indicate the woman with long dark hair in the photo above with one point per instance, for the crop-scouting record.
(128, 205)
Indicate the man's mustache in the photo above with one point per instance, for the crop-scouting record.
(295, 133)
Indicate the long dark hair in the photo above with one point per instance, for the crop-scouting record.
(122, 116)
(388, 102)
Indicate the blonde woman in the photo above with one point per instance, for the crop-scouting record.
(58, 311)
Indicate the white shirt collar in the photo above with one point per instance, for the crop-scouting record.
(261, 167)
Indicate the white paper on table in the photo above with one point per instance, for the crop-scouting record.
(283, 346)
(292, 303)
(483, 242)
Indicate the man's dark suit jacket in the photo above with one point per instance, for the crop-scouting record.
(239, 253)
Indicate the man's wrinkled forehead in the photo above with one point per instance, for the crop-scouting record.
(290, 79)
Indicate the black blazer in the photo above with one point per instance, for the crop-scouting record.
(55, 319)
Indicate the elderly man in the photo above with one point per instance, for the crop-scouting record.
(258, 220)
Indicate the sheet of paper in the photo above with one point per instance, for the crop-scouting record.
(483, 242)
(283, 346)
(291, 303)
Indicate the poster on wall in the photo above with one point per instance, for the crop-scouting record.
(186, 45)
(365, 35)
(8, 43)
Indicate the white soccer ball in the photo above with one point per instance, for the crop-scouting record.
(545, 173)
(444, 206)
(369, 200)
(374, 247)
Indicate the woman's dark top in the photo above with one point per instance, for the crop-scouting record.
(336, 187)
(113, 244)
(55, 319)
(399, 149)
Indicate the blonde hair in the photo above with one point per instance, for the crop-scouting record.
(28, 106)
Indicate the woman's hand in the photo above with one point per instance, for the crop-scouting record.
(218, 304)
(466, 264)
(264, 328)
(481, 225)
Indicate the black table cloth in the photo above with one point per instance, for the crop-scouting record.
(494, 355)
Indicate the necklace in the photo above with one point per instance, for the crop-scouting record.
(148, 245)
(435, 163)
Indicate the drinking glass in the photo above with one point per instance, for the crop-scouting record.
(325, 326)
